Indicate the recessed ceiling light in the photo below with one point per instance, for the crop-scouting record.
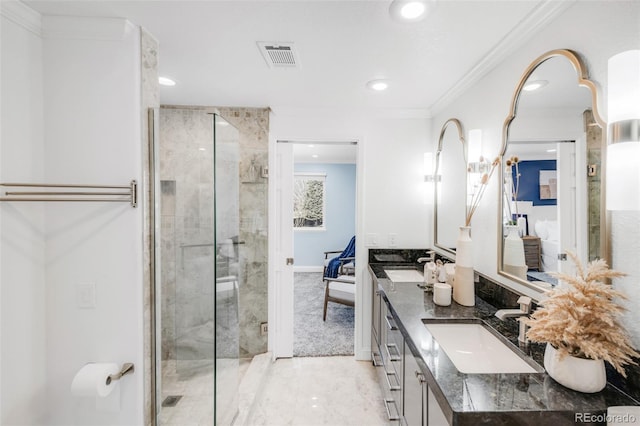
(166, 81)
(310, 146)
(534, 85)
(314, 156)
(409, 10)
(377, 85)
(551, 150)
(202, 149)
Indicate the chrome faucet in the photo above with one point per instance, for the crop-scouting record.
(431, 257)
(524, 311)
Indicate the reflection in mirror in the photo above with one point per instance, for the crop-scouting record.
(549, 204)
(451, 186)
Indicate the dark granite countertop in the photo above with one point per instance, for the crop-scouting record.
(496, 399)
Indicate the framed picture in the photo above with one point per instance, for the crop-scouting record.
(548, 183)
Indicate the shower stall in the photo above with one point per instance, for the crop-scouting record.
(199, 268)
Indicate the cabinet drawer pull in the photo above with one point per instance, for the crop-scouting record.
(396, 385)
(393, 351)
(373, 358)
(387, 404)
(420, 377)
(390, 323)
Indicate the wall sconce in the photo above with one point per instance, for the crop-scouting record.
(428, 167)
(475, 161)
(429, 177)
(623, 151)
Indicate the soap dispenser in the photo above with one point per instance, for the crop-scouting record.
(430, 274)
(429, 271)
(442, 272)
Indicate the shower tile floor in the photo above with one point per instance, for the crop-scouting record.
(193, 381)
(336, 390)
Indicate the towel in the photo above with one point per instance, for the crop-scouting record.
(334, 264)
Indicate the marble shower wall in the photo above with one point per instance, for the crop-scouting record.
(594, 183)
(186, 173)
(187, 234)
(253, 124)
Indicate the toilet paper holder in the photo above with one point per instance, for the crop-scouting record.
(126, 369)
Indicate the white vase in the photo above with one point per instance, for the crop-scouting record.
(522, 226)
(580, 374)
(463, 285)
(513, 253)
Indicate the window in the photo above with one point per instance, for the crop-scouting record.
(308, 201)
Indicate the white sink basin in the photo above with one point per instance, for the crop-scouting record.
(404, 275)
(474, 349)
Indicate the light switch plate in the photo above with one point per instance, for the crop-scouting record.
(393, 240)
(86, 295)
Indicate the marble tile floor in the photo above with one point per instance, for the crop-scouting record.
(308, 391)
(193, 381)
(305, 391)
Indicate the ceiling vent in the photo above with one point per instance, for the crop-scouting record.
(278, 55)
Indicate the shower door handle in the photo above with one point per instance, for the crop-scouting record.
(289, 261)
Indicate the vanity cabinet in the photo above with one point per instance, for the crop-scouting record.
(385, 363)
(420, 405)
(407, 398)
(415, 385)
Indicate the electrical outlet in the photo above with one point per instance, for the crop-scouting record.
(393, 240)
(264, 328)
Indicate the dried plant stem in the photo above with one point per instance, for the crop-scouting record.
(477, 195)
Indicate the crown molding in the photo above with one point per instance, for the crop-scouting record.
(21, 14)
(540, 16)
(365, 112)
(85, 28)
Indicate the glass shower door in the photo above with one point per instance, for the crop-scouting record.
(229, 268)
(198, 268)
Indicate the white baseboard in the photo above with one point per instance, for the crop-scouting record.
(363, 355)
(308, 268)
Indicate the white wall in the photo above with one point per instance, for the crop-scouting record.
(70, 114)
(22, 255)
(92, 135)
(390, 165)
(596, 30)
(389, 184)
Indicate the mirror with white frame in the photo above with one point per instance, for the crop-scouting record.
(551, 173)
(450, 186)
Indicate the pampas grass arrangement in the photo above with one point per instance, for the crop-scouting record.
(582, 319)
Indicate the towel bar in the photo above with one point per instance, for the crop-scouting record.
(130, 196)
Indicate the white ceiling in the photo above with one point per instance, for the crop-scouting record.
(314, 152)
(210, 48)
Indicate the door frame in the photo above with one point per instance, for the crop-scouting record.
(362, 350)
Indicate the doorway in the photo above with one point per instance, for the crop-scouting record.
(324, 201)
(329, 169)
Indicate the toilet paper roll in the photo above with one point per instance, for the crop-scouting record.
(91, 380)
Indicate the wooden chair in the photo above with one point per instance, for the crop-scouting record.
(347, 267)
(339, 290)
